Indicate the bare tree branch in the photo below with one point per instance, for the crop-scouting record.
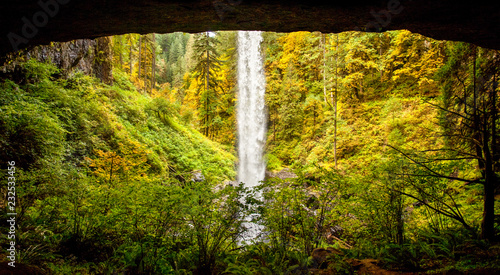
(433, 173)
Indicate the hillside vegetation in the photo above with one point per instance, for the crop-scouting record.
(94, 163)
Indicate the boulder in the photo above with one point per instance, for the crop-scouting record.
(197, 176)
(321, 256)
(369, 266)
(20, 269)
(285, 173)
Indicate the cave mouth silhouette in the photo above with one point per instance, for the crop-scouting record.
(27, 23)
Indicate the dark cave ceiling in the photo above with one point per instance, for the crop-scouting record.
(30, 22)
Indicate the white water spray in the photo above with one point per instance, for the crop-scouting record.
(251, 113)
(251, 116)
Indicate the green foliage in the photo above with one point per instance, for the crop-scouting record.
(98, 172)
(273, 163)
(295, 213)
(38, 72)
(104, 172)
(402, 177)
(215, 218)
(30, 136)
(173, 47)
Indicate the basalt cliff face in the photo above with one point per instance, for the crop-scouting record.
(29, 22)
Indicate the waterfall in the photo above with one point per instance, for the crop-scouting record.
(251, 114)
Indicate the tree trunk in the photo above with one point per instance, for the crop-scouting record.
(140, 57)
(380, 64)
(154, 64)
(314, 121)
(121, 51)
(207, 94)
(476, 131)
(130, 53)
(488, 222)
(335, 105)
(324, 68)
(482, 140)
(274, 127)
(493, 100)
(102, 66)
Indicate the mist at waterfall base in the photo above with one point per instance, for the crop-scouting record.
(251, 118)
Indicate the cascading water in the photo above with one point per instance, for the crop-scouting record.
(251, 115)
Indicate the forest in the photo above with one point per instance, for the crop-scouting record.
(119, 156)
